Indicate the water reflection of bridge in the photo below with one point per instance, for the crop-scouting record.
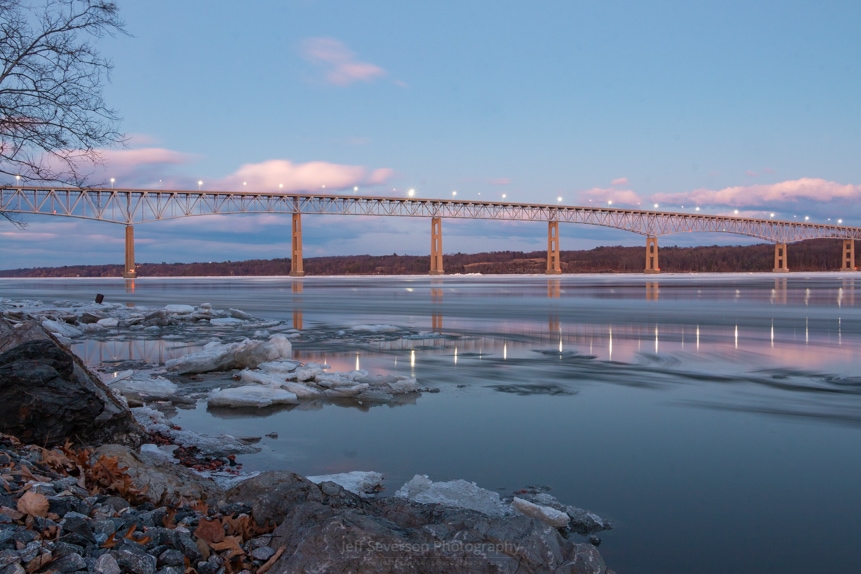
(130, 207)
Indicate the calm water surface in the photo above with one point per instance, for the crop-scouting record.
(715, 418)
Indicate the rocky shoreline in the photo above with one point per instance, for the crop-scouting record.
(103, 493)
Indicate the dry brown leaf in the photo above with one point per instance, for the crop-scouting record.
(168, 520)
(11, 513)
(25, 473)
(39, 562)
(34, 504)
(56, 459)
(210, 530)
(229, 543)
(110, 542)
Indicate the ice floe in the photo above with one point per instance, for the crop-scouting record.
(142, 385)
(222, 357)
(251, 396)
(358, 482)
(546, 514)
(309, 381)
(456, 493)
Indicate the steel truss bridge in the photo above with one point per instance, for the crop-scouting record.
(135, 206)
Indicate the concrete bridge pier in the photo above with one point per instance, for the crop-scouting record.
(554, 266)
(296, 268)
(436, 247)
(652, 255)
(129, 271)
(780, 258)
(848, 255)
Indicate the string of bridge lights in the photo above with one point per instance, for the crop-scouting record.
(412, 192)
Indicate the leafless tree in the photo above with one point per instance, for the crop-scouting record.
(53, 118)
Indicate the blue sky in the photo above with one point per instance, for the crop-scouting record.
(754, 106)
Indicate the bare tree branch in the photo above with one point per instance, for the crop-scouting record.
(53, 119)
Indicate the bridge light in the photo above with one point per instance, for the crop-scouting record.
(656, 206)
(698, 209)
(839, 221)
(806, 218)
(772, 215)
(411, 192)
(736, 212)
(280, 187)
(355, 188)
(504, 196)
(112, 182)
(559, 198)
(610, 202)
(18, 180)
(454, 193)
(199, 183)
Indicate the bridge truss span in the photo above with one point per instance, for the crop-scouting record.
(134, 206)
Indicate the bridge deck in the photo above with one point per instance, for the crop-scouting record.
(134, 206)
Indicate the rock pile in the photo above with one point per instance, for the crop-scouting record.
(65, 510)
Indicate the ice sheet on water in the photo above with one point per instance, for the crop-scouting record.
(279, 366)
(155, 422)
(179, 309)
(144, 385)
(358, 482)
(376, 328)
(456, 493)
(61, 328)
(226, 322)
(251, 396)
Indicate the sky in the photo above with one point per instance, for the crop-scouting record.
(720, 105)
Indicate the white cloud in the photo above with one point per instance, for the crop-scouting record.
(340, 64)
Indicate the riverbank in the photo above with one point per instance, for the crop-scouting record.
(461, 536)
(809, 255)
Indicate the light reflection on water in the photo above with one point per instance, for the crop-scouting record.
(715, 417)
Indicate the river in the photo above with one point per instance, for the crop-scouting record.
(714, 418)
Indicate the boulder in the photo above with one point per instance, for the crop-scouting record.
(159, 481)
(48, 396)
(328, 529)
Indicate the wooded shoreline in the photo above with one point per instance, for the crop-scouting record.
(810, 255)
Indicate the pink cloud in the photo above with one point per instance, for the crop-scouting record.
(142, 167)
(620, 181)
(297, 177)
(751, 173)
(806, 188)
(500, 181)
(605, 194)
(342, 68)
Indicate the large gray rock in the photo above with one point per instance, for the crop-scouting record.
(48, 396)
(327, 529)
(159, 481)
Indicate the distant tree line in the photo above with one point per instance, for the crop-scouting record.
(810, 255)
